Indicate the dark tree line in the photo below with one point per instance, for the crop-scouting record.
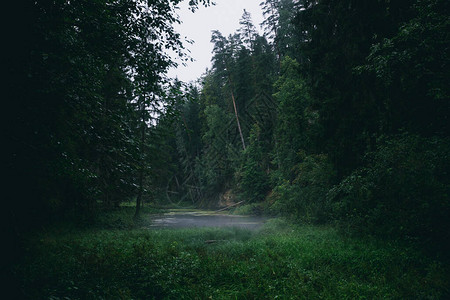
(337, 114)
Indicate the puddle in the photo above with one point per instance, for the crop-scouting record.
(189, 219)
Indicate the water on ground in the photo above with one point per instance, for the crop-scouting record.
(199, 218)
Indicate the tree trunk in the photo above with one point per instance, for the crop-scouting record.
(141, 169)
(237, 120)
(235, 111)
(140, 192)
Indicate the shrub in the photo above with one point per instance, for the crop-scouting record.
(304, 198)
(402, 192)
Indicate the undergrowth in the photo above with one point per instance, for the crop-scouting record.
(280, 261)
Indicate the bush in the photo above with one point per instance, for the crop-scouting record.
(256, 209)
(304, 198)
(402, 192)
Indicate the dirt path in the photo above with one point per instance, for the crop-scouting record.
(199, 218)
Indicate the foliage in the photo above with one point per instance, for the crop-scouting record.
(401, 193)
(228, 106)
(254, 181)
(338, 113)
(216, 169)
(255, 209)
(278, 26)
(280, 261)
(413, 68)
(304, 198)
(87, 79)
(296, 120)
(337, 38)
(350, 77)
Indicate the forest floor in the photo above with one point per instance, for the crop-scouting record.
(119, 258)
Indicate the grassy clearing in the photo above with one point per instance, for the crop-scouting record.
(279, 261)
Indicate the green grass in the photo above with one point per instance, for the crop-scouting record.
(281, 261)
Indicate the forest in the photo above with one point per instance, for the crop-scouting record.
(334, 119)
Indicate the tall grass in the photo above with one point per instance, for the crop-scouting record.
(280, 261)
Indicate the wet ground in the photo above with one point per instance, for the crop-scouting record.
(197, 218)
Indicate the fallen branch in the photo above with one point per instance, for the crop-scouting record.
(225, 208)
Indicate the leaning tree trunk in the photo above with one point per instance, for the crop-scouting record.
(236, 112)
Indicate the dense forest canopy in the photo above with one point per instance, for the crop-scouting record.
(337, 114)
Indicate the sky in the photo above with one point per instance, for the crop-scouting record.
(224, 16)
